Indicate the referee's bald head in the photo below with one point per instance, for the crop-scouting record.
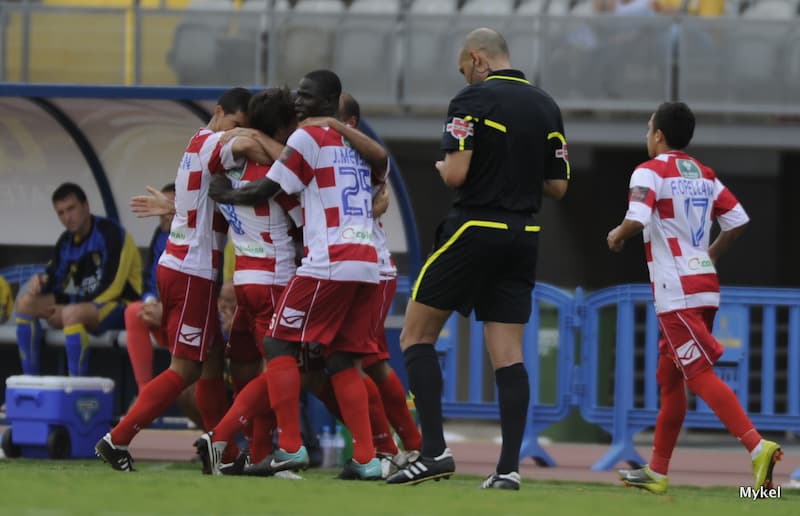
(487, 40)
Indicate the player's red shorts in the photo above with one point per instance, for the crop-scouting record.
(254, 307)
(335, 314)
(381, 302)
(687, 339)
(190, 315)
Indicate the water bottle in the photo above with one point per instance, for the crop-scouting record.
(338, 446)
(328, 452)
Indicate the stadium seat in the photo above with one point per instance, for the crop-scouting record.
(771, 10)
(583, 8)
(482, 7)
(305, 41)
(530, 7)
(792, 61)
(430, 75)
(385, 7)
(422, 7)
(558, 7)
(193, 53)
(319, 6)
(366, 57)
(754, 63)
(521, 34)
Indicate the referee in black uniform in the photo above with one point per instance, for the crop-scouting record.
(505, 147)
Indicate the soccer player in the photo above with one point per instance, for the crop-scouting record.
(326, 301)
(382, 376)
(186, 281)
(95, 271)
(262, 237)
(673, 200)
(505, 146)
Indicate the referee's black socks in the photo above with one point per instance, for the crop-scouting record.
(425, 382)
(513, 393)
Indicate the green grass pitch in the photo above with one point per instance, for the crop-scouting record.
(53, 488)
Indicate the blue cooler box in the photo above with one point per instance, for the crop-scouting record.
(56, 416)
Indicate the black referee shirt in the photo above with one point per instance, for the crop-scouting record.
(517, 137)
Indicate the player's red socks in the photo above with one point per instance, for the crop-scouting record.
(153, 400)
(212, 400)
(722, 400)
(670, 415)
(352, 397)
(328, 398)
(381, 433)
(263, 431)
(253, 399)
(140, 349)
(393, 396)
(283, 379)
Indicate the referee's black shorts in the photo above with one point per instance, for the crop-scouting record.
(482, 260)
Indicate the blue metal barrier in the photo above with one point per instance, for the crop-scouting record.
(541, 414)
(633, 411)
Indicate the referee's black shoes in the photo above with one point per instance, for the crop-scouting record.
(425, 468)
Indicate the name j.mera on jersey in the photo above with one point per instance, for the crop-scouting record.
(348, 156)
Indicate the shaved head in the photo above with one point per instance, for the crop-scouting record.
(484, 50)
(487, 40)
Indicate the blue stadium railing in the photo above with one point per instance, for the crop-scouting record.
(763, 322)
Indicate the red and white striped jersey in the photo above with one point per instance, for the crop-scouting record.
(677, 198)
(265, 251)
(197, 235)
(333, 181)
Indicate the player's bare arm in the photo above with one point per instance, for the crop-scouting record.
(724, 241)
(628, 229)
(555, 188)
(253, 193)
(381, 202)
(453, 169)
(152, 205)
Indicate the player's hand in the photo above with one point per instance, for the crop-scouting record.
(615, 243)
(219, 187)
(318, 121)
(380, 203)
(38, 281)
(150, 313)
(238, 131)
(152, 205)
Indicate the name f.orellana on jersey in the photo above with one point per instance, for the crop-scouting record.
(334, 183)
(677, 198)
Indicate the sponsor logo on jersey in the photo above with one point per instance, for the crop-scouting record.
(352, 234)
(460, 129)
(688, 353)
(190, 335)
(292, 318)
(699, 264)
(688, 168)
(251, 249)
